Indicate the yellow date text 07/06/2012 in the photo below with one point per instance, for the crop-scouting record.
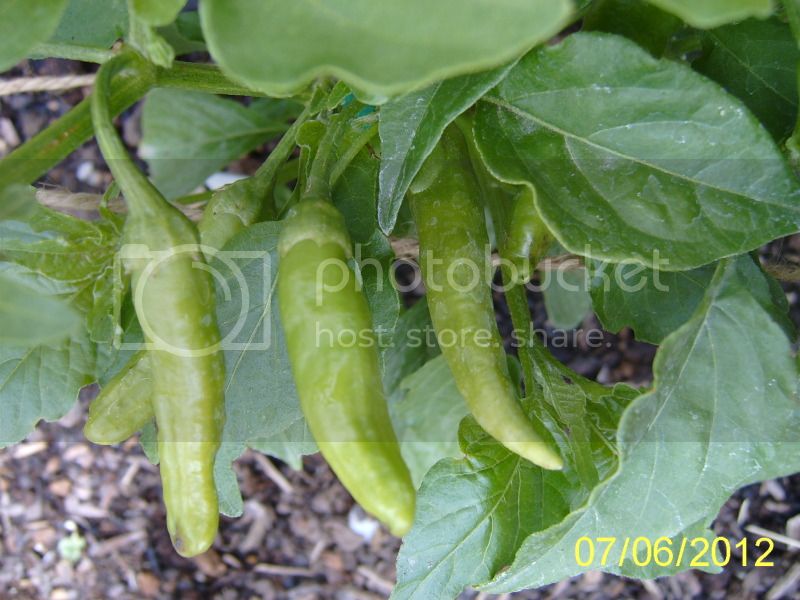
(692, 553)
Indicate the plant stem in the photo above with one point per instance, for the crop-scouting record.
(521, 320)
(266, 174)
(319, 179)
(68, 133)
(52, 145)
(200, 78)
(71, 52)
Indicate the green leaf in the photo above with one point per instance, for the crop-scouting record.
(426, 419)
(184, 35)
(94, 23)
(59, 246)
(724, 413)
(42, 381)
(635, 158)
(472, 513)
(144, 38)
(289, 445)
(379, 48)
(17, 202)
(25, 23)
(261, 405)
(652, 303)
(413, 344)
(645, 24)
(757, 62)
(157, 12)
(711, 13)
(375, 260)
(187, 136)
(425, 405)
(354, 195)
(567, 299)
(410, 128)
(28, 318)
(61, 260)
(148, 439)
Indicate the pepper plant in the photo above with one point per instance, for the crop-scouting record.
(649, 140)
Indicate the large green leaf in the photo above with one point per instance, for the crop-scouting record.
(474, 512)
(25, 23)
(97, 23)
(187, 136)
(381, 48)
(711, 13)
(652, 303)
(636, 158)
(62, 261)
(41, 381)
(28, 318)
(410, 127)
(757, 62)
(724, 413)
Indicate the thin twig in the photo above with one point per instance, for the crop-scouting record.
(380, 584)
(784, 272)
(273, 473)
(408, 249)
(24, 85)
(271, 569)
(783, 539)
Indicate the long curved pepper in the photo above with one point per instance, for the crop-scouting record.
(174, 301)
(453, 242)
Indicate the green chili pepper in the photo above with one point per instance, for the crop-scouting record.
(334, 360)
(174, 301)
(124, 405)
(453, 246)
(527, 237)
